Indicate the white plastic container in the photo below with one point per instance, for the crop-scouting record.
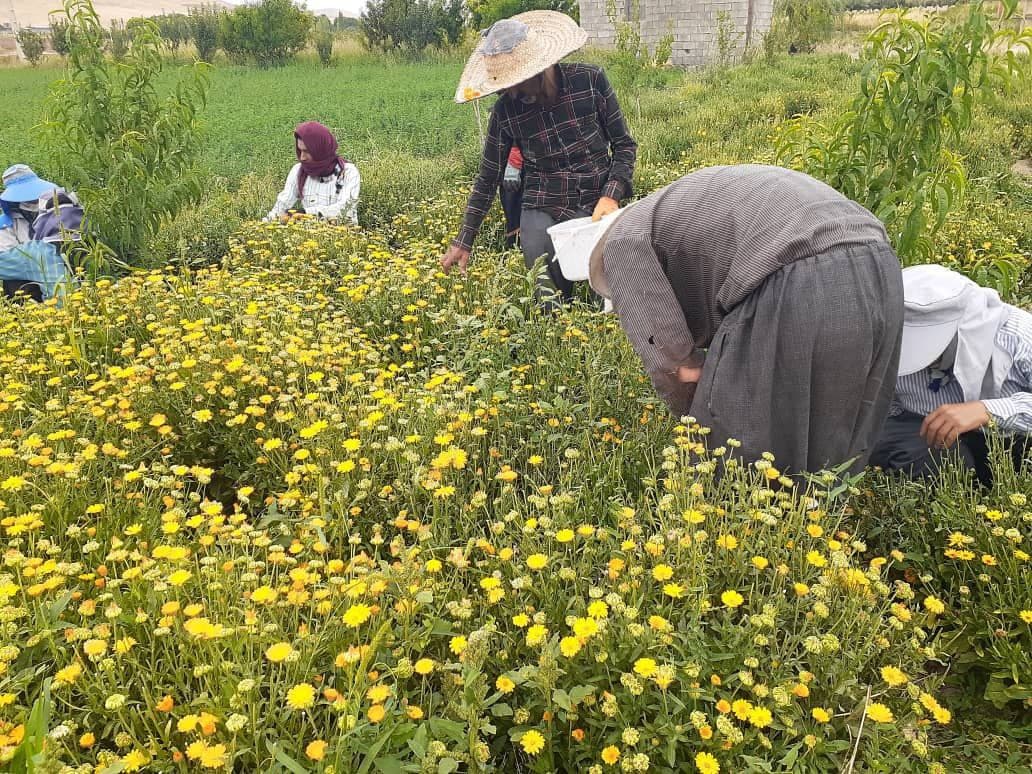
(574, 240)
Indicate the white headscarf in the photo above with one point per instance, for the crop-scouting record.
(939, 305)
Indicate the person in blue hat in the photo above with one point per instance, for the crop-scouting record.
(28, 266)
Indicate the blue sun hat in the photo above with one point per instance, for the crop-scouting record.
(21, 184)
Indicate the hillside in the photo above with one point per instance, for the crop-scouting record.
(30, 13)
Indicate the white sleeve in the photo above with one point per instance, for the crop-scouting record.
(346, 205)
(288, 196)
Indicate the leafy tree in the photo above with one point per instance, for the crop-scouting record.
(174, 28)
(324, 46)
(127, 150)
(269, 32)
(487, 12)
(31, 44)
(893, 150)
(59, 35)
(412, 25)
(798, 26)
(204, 30)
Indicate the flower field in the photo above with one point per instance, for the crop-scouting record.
(325, 509)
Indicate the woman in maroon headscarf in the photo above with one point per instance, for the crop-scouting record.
(324, 183)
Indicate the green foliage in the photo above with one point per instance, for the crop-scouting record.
(487, 12)
(267, 33)
(324, 46)
(174, 28)
(204, 31)
(631, 61)
(119, 38)
(799, 25)
(727, 39)
(894, 149)
(127, 150)
(411, 26)
(59, 35)
(31, 44)
(29, 756)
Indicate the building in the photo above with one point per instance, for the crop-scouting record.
(692, 23)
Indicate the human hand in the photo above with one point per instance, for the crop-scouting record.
(511, 179)
(284, 218)
(946, 424)
(605, 206)
(455, 255)
(687, 374)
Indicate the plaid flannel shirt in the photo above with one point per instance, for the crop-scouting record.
(574, 153)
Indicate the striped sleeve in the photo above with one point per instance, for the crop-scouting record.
(623, 146)
(1014, 411)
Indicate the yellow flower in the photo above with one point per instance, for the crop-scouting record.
(564, 535)
(674, 590)
(879, 713)
(706, 763)
(537, 561)
(760, 717)
(610, 755)
(214, 757)
(301, 696)
(727, 542)
(732, 598)
(536, 634)
(741, 708)
(569, 646)
(264, 595)
(505, 684)
(179, 577)
(662, 572)
(646, 667)
(457, 645)
(893, 676)
(821, 715)
(1026, 616)
(316, 750)
(357, 615)
(378, 694)
(376, 713)
(424, 666)
(934, 605)
(532, 742)
(816, 559)
(760, 563)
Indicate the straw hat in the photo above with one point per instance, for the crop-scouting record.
(515, 49)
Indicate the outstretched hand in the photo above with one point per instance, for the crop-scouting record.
(946, 424)
(455, 256)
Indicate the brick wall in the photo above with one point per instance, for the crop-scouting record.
(693, 23)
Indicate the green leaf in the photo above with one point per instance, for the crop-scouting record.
(447, 766)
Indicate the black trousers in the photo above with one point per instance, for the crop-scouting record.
(22, 289)
(902, 449)
(512, 204)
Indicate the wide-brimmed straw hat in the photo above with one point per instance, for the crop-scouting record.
(515, 49)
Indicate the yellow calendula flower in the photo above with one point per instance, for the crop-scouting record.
(316, 750)
(646, 667)
(706, 763)
(610, 755)
(893, 676)
(301, 696)
(879, 713)
(457, 645)
(569, 646)
(505, 684)
(564, 535)
(537, 561)
(662, 572)
(357, 615)
(532, 742)
(424, 666)
(821, 715)
(279, 652)
(934, 605)
(732, 598)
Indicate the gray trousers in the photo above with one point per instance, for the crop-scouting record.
(805, 367)
(553, 289)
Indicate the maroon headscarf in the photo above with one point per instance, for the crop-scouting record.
(322, 146)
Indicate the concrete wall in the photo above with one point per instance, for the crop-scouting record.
(693, 23)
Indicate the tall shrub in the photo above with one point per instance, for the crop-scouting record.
(127, 150)
(31, 45)
(411, 25)
(59, 35)
(893, 150)
(268, 33)
(204, 31)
